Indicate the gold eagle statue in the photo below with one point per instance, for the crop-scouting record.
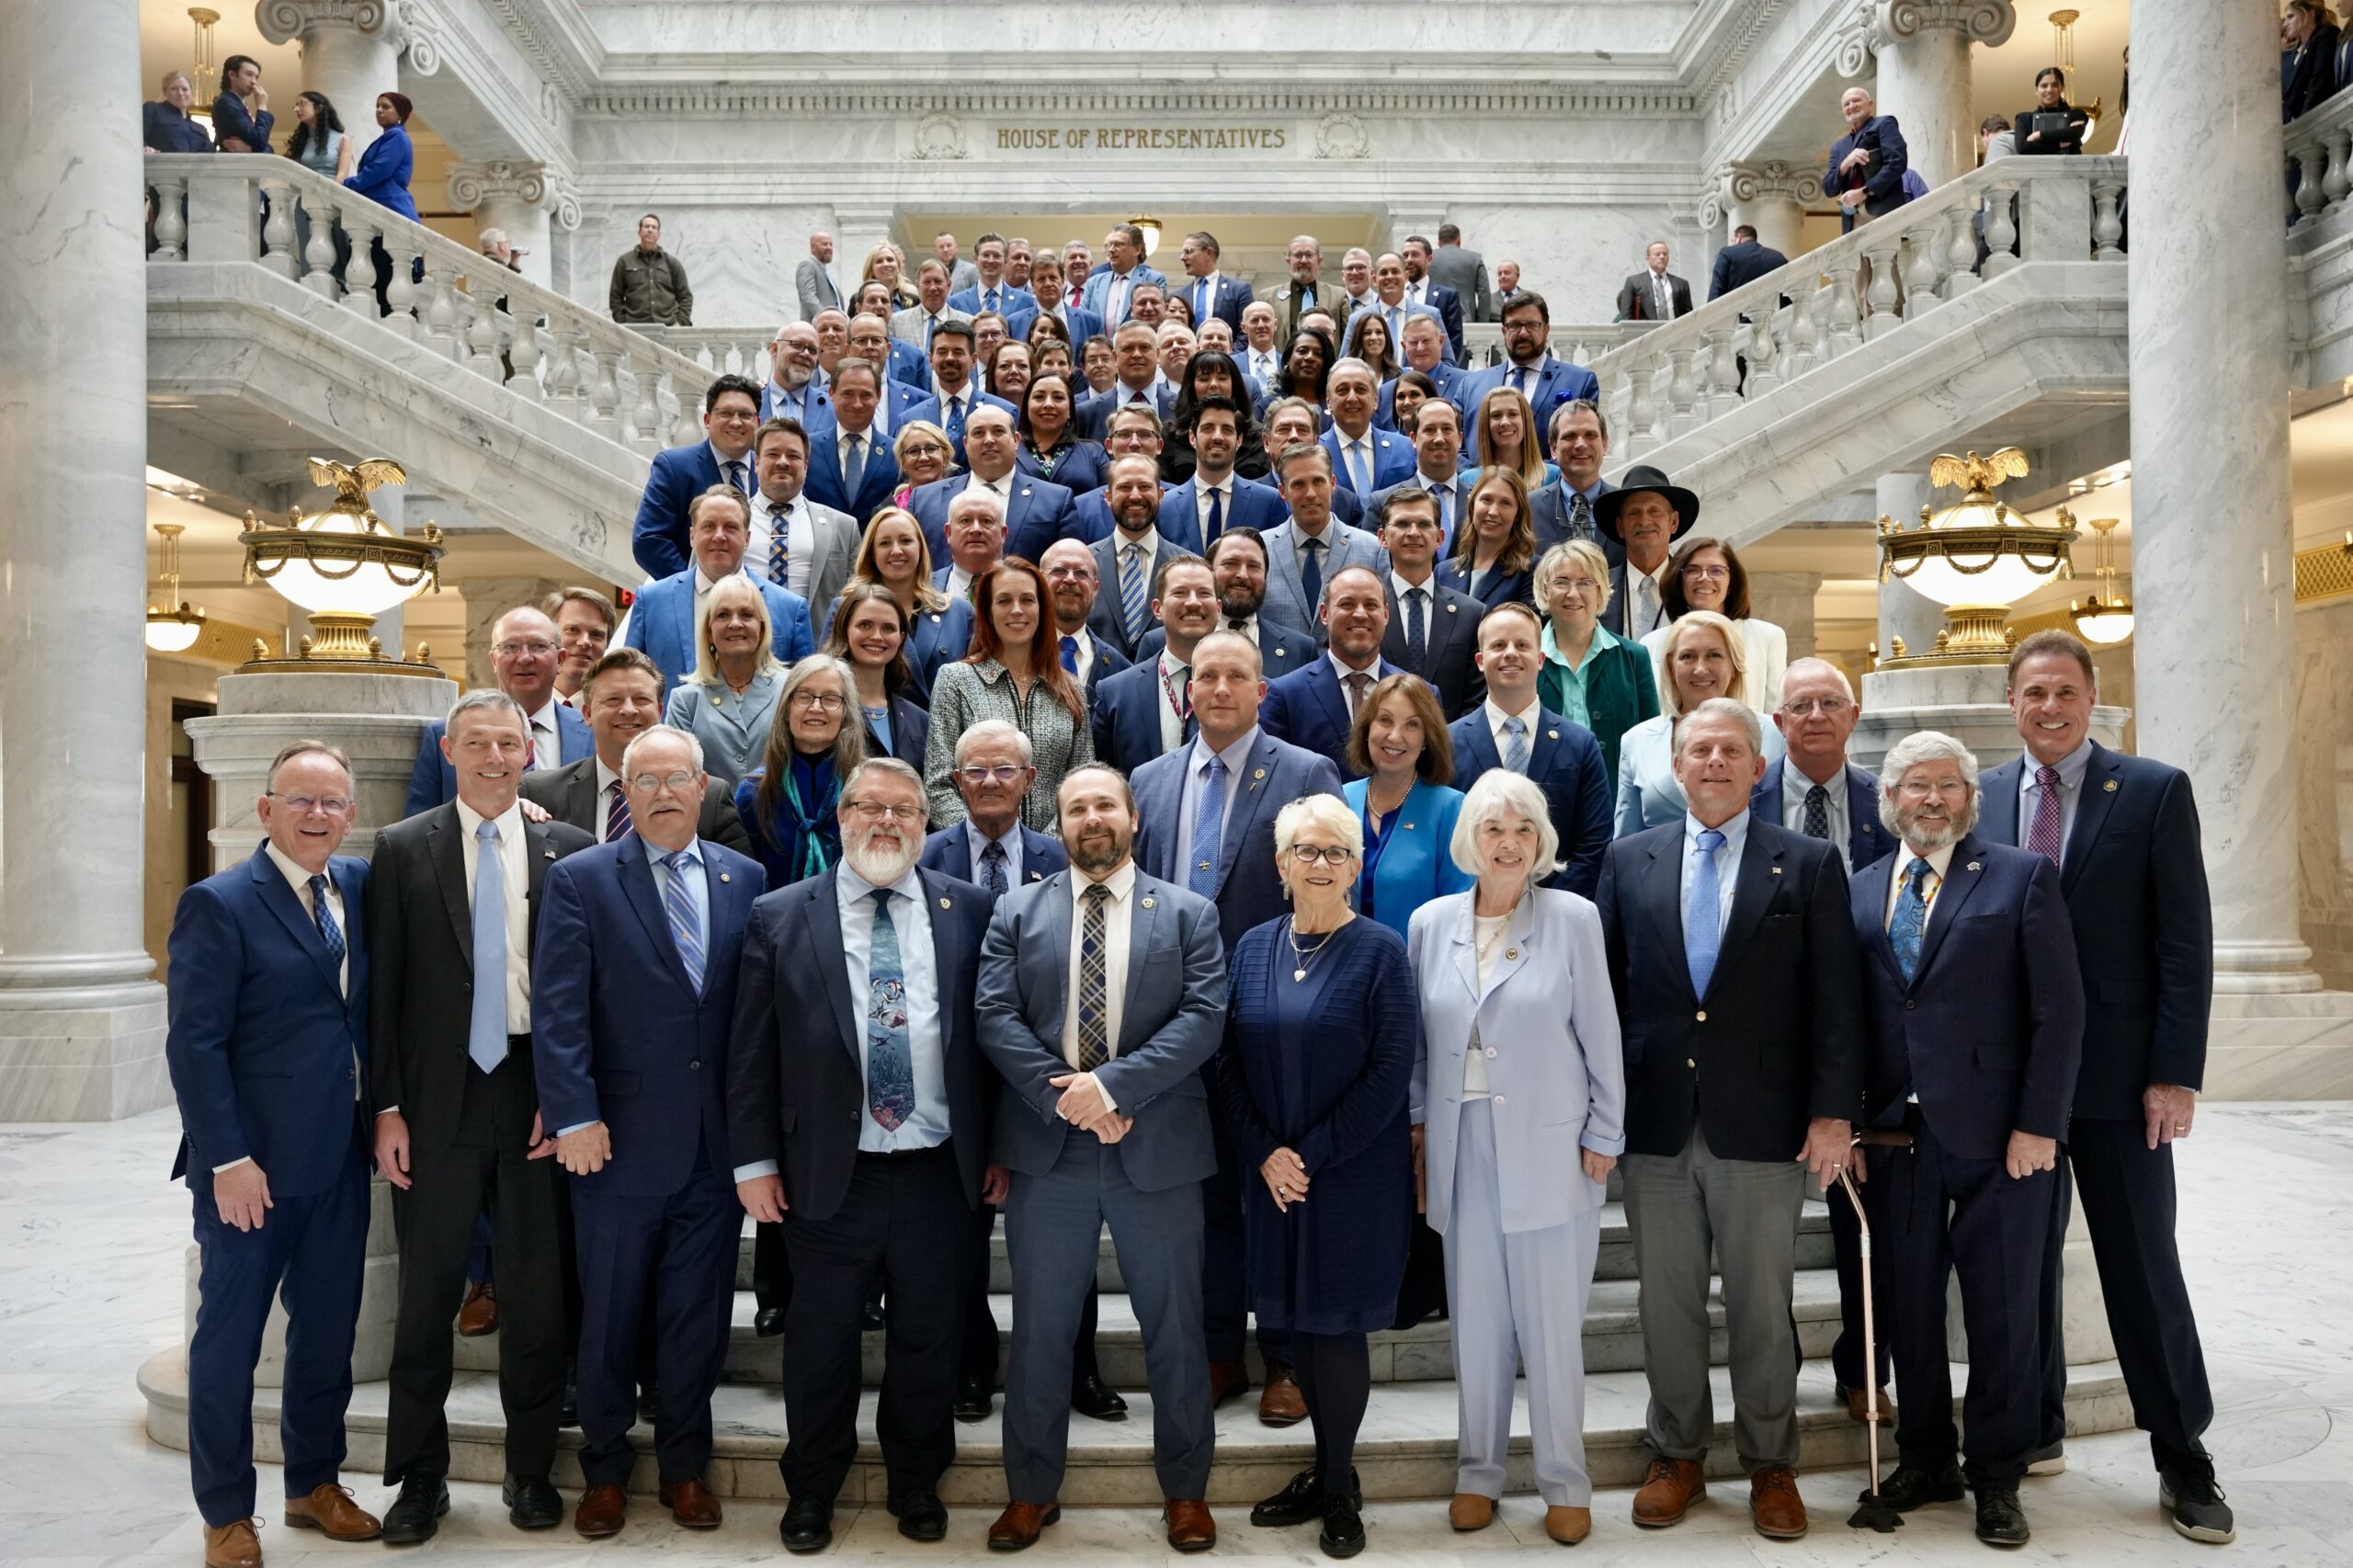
(353, 482)
(1976, 475)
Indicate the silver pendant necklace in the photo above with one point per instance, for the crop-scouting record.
(1302, 956)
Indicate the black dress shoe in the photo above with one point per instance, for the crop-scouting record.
(974, 1399)
(808, 1524)
(2194, 1505)
(532, 1502)
(1303, 1500)
(1093, 1396)
(2000, 1520)
(416, 1514)
(768, 1322)
(568, 1413)
(869, 1318)
(1343, 1532)
(921, 1514)
(1911, 1487)
(649, 1400)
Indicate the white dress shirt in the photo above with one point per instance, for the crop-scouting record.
(1342, 670)
(1119, 916)
(1728, 854)
(1083, 654)
(1528, 716)
(514, 864)
(960, 583)
(1204, 488)
(547, 738)
(1794, 785)
(1644, 618)
(2071, 768)
(919, 973)
(608, 780)
(1938, 861)
(1196, 761)
(791, 519)
(873, 435)
(1173, 673)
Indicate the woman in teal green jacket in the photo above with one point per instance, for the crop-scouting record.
(1591, 676)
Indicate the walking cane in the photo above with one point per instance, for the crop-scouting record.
(1875, 1513)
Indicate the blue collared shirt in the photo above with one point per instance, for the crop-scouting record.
(1237, 756)
(2071, 768)
(979, 842)
(698, 884)
(1728, 855)
(919, 971)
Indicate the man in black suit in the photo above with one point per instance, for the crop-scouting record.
(1655, 294)
(1865, 173)
(622, 698)
(453, 898)
(859, 1118)
(1433, 630)
(1743, 261)
(1238, 566)
(1976, 1014)
(1564, 509)
(2123, 832)
(1743, 1046)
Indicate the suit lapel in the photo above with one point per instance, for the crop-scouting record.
(1753, 882)
(1963, 872)
(1997, 804)
(1329, 696)
(287, 906)
(645, 899)
(1054, 948)
(1543, 743)
(445, 848)
(2102, 781)
(1509, 962)
(1663, 892)
(825, 921)
(1142, 921)
(1251, 799)
(1478, 744)
(946, 957)
(580, 799)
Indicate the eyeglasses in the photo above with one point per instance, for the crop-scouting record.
(509, 649)
(646, 783)
(1709, 574)
(735, 415)
(1003, 773)
(1323, 855)
(303, 805)
(875, 810)
(1578, 585)
(821, 702)
(1806, 707)
(1921, 789)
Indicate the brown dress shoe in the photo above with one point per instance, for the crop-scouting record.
(330, 1510)
(691, 1503)
(1280, 1403)
(1227, 1380)
(1470, 1511)
(1568, 1526)
(1859, 1405)
(1019, 1524)
(479, 1316)
(1774, 1503)
(1668, 1488)
(232, 1545)
(600, 1512)
(1190, 1529)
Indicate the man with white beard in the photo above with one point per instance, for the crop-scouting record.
(858, 1119)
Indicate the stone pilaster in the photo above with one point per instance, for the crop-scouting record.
(527, 200)
(1922, 50)
(487, 599)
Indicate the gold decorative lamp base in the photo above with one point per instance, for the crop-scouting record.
(1974, 634)
(343, 645)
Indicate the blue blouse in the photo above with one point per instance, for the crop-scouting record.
(1412, 861)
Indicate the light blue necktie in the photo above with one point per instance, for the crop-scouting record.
(686, 926)
(1700, 934)
(889, 1060)
(1209, 829)
(486, 1028)
(1911, 921)
(1134, 597)
(1200, 299)
(1392, 332)
(854, 465)
(1515, 752)
(1360, 468)
(988, 301)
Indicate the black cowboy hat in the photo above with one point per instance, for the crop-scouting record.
(1640, 478)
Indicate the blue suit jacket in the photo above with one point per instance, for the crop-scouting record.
(1392, 461)
(1097, 289)
(1015, 305)
(1281, 649)
(1082, 324)
(1103, 621)
(909, 367)
(1033, 517)
(1741, 264)
(383, 171)
(1549, 507)
(1990, 1030)
(260, 1041)
(1565, 762)
(942, 637)
(1254, 505)
(433, 782)
(1247, 889)
(1172, 1020)
(2135, 884)
(658, 538)
(1092, 415)
(816, 405)
(1866, 840)
(1127, 715)
(1286, 599)
(1308, 709)
(619, 1033)
(1557, 382)
(1416, 865)
(1232, 297)
(1883, 175)
(1448, 379)
(661, 625)
(230, 119)
(825, 487)
(1083, 467)
(949, 852)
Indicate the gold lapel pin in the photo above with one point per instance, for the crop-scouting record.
(2110, 786)
(1409, 827)
(1552, 735)
(549, 853)
(1257, 774)
(723, 875)
(1450, 610)
(1511, 953)
(946, 904)
(1972, 864)
(1149, 904)
(1776, 870)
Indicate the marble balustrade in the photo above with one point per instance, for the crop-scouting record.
(2320, 145)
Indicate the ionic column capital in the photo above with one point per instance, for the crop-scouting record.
(533, 185)
(285, 21)
(1875, 25)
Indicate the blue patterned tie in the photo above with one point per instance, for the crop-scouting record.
(486, 1027)
(992, 867)
(1515, 754)
(1209, 829)
(1094, 981)
(1911, 921)
(1700, 934)
(329, 932)
(780, 546)
(854, 466)
(956, 422)
(1417, 630)
(1135, 600)
(889, 1060)
(686, 927)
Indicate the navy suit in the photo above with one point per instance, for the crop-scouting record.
(1883, 177)
(1104, 620)
(1447, 305)
(230, 119)
(1497, 588)
(433, 782)
(1552, 510)
(1565, 762)
(1094, 411)
(1447, 378)
(658, 537)
(1081, 468)
(1082, 324)
(623, 1033)
(1392, 461)
(1308, 709)
(1987, 1033)
(661, 625)
(1867, 841)
(942, 637)
(949, 852)
(1232, 296)
(267, 1047)
(1034, 513)
(1281, 649)
(1127, 715)
(1743, 264)
(1251, 504)
(2135, 884)
(876, 486)
(1450, 647)
(1556, 381)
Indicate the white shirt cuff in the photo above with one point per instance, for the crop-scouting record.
(755, 1170)
(232, 1165)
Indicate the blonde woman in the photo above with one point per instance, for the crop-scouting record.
(1704, 657)
(1590, 675)
(729, 700)
(895, 555)
(1507, 436)
(885, 266)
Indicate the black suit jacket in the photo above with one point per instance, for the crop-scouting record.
(1741, 264)
(1450, 662)
(569, 795)
(420, 939)
(2313, 78)
(1635, 302)
(796, 1086)
(1778, 1038)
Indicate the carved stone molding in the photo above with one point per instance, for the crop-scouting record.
(533, 184)
(285, 21)
(1341, 136)
(731, 100)
(939, 137)
(1874, 25)
(1738, 184)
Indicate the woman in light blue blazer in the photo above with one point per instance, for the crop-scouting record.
(1705, 656)
(730, 701)
(1518, 1111)
(1399, 743)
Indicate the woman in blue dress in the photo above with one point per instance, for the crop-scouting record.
(1404, 803)
(1321, 1030)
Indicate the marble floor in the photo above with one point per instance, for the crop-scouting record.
(90, 1287)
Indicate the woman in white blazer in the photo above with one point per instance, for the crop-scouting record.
(1519, 1113)
(1705, 573)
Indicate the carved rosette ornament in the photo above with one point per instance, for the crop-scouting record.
(1341, 136)
(940, 138)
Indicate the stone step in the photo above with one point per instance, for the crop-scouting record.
(1616, 1260)
(1407, 1449)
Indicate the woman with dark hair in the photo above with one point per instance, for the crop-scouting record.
(1013, 672)
(1007, 370)
(869, 634)
(1043, 328)
(383, 176)
(1211, 373)
(1495, 548)
(1307, 365)
(1412, 390)
(894, 555)
(1367, 338)
(1050, 447)
(319, 144)
(1051, 356)
(1705, 573)
(2053, 126)
(1100, 364)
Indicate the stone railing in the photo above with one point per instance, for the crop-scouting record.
(2321, 146)
(1676, 377)
(546, 349)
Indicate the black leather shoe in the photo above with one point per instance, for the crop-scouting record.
(2194, 1505)
(532, 1502)
(1911, 1487)
(416, 1513)
(921, 1514)
(808, 1524)
(1093, 1396)
(2000, 1520)
(974, 1399)
(649, 1400)
(1303, 1500)
(768, 1322)
(1343, 1532)
(568, 1413)
(869, 1318)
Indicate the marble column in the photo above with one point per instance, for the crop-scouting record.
(1770, 196)
(351, 53)
(2212, 540)
(1922, 47)
(528, 201)
(487, 599)
(81, 1023)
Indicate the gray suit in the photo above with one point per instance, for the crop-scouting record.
(1067, 1185)
(830, 544)
(963, 274)
(1465, 272)
(1286, 599)
(814, 284)
(911, 326)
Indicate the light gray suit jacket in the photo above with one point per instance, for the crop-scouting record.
(830, 555)
(909, 325)
(1286, 600)
(1172, 1020)
(816, 289)
(1558, 1073)
(1465, 272)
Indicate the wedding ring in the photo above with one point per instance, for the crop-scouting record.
(2181, 1127)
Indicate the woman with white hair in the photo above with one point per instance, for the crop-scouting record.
(1704, 655)
(729, 702)
(1520, 1099)
(1321, 1034)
